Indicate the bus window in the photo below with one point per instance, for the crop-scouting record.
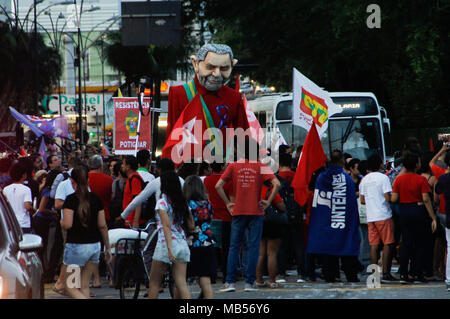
(262, 119)
(363, 137)
(299, 133)
(284, 111)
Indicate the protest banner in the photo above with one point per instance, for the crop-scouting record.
(126, 118)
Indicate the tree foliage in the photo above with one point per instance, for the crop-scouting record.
(405, 63)
(17, 69)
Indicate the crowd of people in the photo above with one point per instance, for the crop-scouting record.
(218, 221)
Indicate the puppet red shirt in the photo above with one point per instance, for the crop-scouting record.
(235, 116)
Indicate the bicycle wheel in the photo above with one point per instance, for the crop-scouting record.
(128, 282)
(171, 285)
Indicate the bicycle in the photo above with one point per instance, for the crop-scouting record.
(129, 268)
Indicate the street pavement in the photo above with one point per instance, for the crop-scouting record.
(293, 290)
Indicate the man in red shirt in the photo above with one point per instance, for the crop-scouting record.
(247, 210)
(221, 216)
(212, 65)
(101, 185)
(133, 187)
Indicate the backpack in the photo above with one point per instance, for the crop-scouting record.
(293, 209)
(273, 216)
(65, 175)
(116, 207)
(148, 207)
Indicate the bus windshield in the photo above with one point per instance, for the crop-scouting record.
(360, 137)
(363, 136)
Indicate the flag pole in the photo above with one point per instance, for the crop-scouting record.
(140, 97)
(9, 147)
(54, 141)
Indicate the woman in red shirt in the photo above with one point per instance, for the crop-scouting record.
(270, 243)
(412, 191)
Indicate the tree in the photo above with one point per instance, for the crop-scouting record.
(404, 62)
(17, 65)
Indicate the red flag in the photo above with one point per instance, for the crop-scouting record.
(105, 150)
(22, 152)
(431, 145)
(255, 128)
(186, 133)
(311, 159)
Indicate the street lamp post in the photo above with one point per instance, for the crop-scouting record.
(79, 55)
(103, 92)
(36, 59)
(57, 47)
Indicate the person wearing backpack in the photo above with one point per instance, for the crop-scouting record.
(272, 234)
(118, 187)
(292, 243)
(133, 187)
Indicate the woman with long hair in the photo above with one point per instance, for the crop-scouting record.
(417, 217)
(201, 241)
(84, 220)
(171, 248)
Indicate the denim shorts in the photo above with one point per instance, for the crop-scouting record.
(180, 250)
(80, 254)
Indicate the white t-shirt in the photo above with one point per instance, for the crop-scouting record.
(154, 187)
(373, 187)
(64, 189)
(17, 195)
(146, 176)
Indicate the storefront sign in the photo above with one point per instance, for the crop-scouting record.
(92, 103)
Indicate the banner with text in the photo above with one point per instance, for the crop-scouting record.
(126, 121)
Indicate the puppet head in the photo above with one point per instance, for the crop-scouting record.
(213, 65)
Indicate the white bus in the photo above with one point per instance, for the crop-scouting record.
(361, 129)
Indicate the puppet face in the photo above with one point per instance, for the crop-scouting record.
(214, 71)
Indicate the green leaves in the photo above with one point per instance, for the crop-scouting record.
(18, 64)
(405, 62)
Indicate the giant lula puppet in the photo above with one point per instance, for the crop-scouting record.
(205, 102)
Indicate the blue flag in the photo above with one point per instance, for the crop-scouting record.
(54, 127)
(25, 120)
(43, 151)
(334, 222)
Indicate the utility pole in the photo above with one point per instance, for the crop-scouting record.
(36, 59)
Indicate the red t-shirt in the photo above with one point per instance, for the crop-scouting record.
(129, 194)
(410, 187)
(101, 185)
(236, 116)
(277, 199)
(287, 175)
(220, 209)
(247, 179)
(438, 172)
